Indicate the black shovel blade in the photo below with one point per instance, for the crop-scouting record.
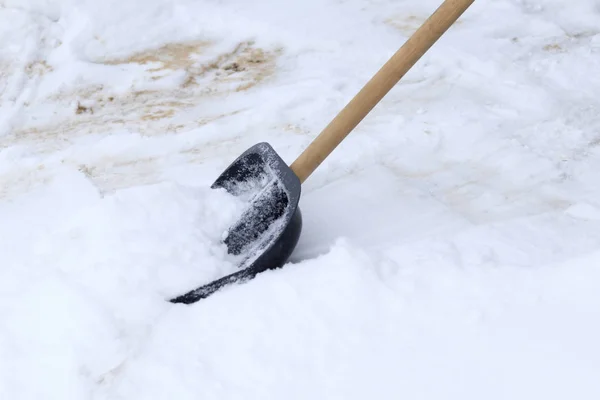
(268, 230)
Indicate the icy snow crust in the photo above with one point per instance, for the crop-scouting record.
(450, 247)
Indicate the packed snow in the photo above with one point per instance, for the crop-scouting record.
(451, 244)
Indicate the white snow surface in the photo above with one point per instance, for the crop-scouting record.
(451, 244)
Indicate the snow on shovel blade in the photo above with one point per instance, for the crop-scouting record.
(267, 232)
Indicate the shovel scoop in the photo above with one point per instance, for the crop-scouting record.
(268, 230)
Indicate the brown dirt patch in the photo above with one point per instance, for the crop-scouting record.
(97, 109)
(171, 56)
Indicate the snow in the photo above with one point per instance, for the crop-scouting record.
(450, 244)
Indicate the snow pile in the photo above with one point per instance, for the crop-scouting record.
(450, 244)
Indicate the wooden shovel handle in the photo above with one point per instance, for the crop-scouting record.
(381, 83)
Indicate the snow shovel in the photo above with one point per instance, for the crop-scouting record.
(267, 232)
